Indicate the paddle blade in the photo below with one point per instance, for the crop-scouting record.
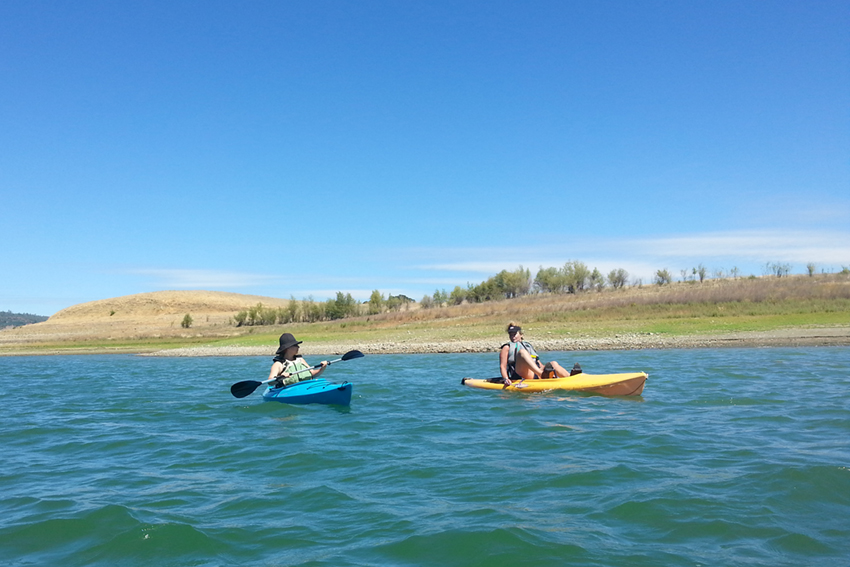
(244, 388)
(352, 354)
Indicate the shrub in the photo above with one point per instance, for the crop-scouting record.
(187, 321)
(662, 277)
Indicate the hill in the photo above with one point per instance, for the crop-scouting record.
(157, 304)
(135, 323)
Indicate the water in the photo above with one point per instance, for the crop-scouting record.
(731, 457)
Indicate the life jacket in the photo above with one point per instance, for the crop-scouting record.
(291, 367)
(513, 348)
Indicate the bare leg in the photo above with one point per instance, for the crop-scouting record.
(526, 366)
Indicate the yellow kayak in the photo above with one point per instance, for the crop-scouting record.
(626, 384)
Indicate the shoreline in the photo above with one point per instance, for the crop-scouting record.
(838, 336)
(822, 336)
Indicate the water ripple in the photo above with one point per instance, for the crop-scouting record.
(732, 457)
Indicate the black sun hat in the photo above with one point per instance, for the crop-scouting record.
(286, 341)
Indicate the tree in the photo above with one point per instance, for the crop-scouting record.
(292, 310)
(313, 311)
(376, 302)
(187, 321)
(341, 307)
(778, 269)
(576, 275)
(596, 280)
(618, 278)
(440, 298)
(549, 280)
(810, 268)
(427, 302)
(662, 277)
(457, 296)
(396, 302)
(512, 284)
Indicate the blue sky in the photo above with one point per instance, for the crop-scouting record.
(303, 148)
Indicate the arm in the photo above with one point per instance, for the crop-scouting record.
(314, 372)
(277, 368)
(503, 364)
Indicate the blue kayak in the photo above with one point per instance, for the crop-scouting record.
(316, 391)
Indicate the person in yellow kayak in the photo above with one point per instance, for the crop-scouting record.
(519, 361)
(288, 364)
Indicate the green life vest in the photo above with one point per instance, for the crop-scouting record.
(293, 366)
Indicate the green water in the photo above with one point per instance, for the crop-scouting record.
(731, 457)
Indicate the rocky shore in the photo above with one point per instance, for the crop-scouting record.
(835, 336)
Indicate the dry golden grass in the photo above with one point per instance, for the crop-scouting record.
(164, 303)
(146, 317)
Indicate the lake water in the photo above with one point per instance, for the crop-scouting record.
(730, 457)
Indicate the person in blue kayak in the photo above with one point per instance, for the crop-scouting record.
(288, 366)
(519, 361)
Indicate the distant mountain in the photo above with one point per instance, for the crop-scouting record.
(9, 319)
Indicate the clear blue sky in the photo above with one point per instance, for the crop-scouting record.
(303, 148)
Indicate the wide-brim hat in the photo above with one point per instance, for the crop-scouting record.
(286, 341)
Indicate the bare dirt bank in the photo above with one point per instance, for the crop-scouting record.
(833, 336)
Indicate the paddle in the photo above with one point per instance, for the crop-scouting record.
(246, 387)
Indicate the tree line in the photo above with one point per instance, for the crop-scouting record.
(9, 319)
(572, 277)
